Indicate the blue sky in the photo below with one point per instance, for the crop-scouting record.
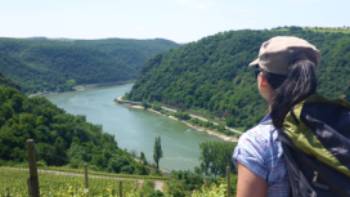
(178, 20)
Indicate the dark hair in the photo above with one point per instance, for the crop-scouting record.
(299, 83)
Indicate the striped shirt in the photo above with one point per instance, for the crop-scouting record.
(261, 152)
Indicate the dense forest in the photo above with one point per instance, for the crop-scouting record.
(41, 64)
(6, 82)
(212, 73)
(61, 138)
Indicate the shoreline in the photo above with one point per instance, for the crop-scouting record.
(81, 87)
(138, 106)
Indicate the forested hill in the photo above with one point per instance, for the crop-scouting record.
(6, 82)
(61, 138)
(39, 64)
(212, 74)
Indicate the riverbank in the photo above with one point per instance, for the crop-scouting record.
(82, 87)
(212, 132)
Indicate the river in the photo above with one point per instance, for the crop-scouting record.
(135, 130)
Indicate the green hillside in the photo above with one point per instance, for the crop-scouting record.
(61, 138)
(40, 64)
(212, 74)
(6, 82)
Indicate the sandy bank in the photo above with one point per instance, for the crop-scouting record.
(137, 105)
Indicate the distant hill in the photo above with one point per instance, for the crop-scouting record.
(61, 138)
(212, 74)
(6, 82)
(41, 64)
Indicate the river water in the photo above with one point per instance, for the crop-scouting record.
(135, 130)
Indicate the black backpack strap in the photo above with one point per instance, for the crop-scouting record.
(308, 177)
(299, 184)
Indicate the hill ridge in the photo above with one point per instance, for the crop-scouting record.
(42, 64)
(212, 74)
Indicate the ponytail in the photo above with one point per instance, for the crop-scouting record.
(300, 83)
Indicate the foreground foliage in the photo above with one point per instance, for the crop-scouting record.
(215, 156)
(214, 190)
(186, 183)
(13, 183)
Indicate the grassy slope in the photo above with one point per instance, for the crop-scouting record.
(61, 183)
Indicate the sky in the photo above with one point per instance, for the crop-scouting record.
(178, 20)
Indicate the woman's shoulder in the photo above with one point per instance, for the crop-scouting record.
(262, 135)
(259, 148)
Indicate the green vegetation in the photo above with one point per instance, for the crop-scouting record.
(217, 127)
(6, 82)
(215, 190)
(68, 140)
(212, 74)
(330, 29)
(61, 138)
(209, 178)
(215, 156)
(13, 183)
(40, 64)
(94, 172)
(182, 183)
(157, 151)
(143, 158)
(187, 183)
(185, 116)
(182, 115)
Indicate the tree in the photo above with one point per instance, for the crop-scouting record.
(182, 115)
(145, 105)
(215, 156)
(157, 151)
(143, 158)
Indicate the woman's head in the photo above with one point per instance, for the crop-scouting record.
(287, 73)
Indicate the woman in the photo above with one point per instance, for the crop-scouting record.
(285, 72)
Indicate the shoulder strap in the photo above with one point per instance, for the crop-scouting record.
(315, 133)
(305, 139)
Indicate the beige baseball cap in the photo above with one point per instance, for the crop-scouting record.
(278, 53)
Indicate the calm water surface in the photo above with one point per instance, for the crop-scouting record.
(135, 130)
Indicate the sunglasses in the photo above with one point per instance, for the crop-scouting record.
(257, 71)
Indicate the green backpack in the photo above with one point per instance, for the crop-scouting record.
(316, 143)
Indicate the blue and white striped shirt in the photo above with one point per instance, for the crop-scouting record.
(261, 152)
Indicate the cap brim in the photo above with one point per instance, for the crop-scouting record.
(254, 63)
